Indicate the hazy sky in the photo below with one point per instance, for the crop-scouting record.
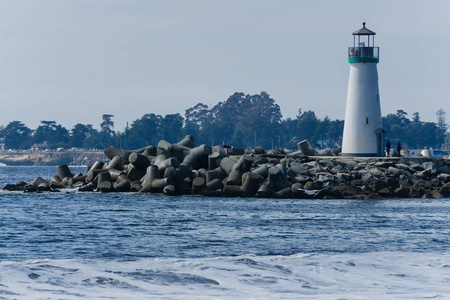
(72, 61)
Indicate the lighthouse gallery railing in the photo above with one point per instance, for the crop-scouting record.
(369, 52)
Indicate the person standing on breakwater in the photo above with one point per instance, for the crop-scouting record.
(225, 145)
(399, 147)
(388, 148)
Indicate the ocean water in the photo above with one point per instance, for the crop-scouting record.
(71, 245)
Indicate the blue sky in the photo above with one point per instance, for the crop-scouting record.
(72, 61)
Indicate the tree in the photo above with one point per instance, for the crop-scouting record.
(44, 132)
(441, 120)
(195, 119)
(144, 132)
(258, 114)
(107, 125)
(401, 116)
(60, 137)
(322, 132)
(171, 127)
(80, 133)
(307, 124)
(54, 134)
(17, 135)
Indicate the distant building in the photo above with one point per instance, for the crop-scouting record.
(41, 146)
(446, 144)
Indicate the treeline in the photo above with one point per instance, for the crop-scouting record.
(242, 121)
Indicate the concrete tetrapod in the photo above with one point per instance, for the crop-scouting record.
(112, 151)
(63, 171)
(198, 157)
(187, 141)
(243, 165)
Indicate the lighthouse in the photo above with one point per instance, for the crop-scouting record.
(363, 128)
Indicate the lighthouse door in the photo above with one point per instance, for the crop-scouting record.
(380, 141)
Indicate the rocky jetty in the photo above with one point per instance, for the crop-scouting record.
(182, 168)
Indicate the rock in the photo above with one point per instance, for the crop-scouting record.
(310, 185)
(198, 157)
(187, 141)
(445, 190)
(262, 170)
(324, 152)
(14, 187)
(384, 164)
(259, 150)
(135, 187)
(277, 180)
(38, 181)
(337, 169)
(417, 167)
(327, 178)
(337, 151)
(63, 171)
(116, 163)
(444, 169)
(169, 190)
(105, 187)
(265, 191)
(135, 174)
(251, 183)
(284, 193)
(402, 192)
(386, 193)
(431, 167)
(445, 178)
(214, 160)
(426, 153)
(139, 161)
(122, 186)
(435, 194)
(299, 168)
(243, 165)
(198, 184)
(405, 168)
(343, 176)
(149, 151)
(232, 191)
(306, 148)
(404, 153)
(394, 172)
(418, 192)
(86, 188)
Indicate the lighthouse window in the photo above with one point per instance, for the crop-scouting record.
(367, 120)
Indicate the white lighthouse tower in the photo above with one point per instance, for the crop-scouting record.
(363, 129)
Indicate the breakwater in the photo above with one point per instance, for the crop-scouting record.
(182, 168)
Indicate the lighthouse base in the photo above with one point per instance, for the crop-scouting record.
(360, 154)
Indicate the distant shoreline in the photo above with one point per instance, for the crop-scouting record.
(18, 158)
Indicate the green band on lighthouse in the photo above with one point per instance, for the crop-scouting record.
(353, 60)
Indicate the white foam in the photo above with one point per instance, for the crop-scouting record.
(384, 275)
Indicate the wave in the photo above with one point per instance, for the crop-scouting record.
(377, 275)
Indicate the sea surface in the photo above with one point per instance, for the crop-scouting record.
(71, 245)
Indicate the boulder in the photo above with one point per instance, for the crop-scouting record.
(306, 148)
(426, 153)
(259, 150)
(324, 152)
